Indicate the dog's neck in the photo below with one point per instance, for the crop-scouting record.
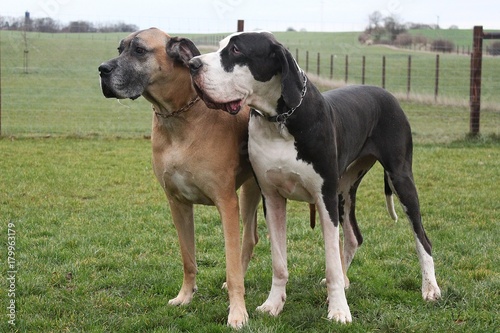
(282, 111)
(177, 112)
(169, 102)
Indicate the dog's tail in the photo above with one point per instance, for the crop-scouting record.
(389, 198)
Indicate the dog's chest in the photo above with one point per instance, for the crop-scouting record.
(274, 159)
(180, 180)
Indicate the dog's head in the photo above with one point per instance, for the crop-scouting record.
(147, 60)
(249, 68)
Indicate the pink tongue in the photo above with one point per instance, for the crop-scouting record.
(233, 106)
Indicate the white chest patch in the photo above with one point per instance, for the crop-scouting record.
(182, 186)
(274, 159)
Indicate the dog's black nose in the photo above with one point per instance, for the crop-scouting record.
(105, 69)
(195, 65)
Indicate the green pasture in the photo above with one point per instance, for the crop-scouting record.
(59, 92)
(96, 251)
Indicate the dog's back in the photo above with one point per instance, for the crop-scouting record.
(366, 114)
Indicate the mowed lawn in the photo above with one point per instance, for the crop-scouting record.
(96, 250)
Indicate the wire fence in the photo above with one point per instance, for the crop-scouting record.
(50, 83)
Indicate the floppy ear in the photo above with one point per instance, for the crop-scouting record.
(291, 79)
(182, 50)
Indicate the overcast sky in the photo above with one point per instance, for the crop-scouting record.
(198, 16)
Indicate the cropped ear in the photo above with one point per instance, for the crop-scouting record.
(291, 80)
(182, 50)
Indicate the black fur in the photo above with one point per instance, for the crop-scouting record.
(336, 128)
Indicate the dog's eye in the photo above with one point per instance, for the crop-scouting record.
(235, 49)
(140, 50)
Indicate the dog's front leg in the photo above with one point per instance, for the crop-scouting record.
(182, 214)
(338, 309)
(276, 224)
(229, 212)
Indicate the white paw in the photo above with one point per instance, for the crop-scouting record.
(183, 298)
(431, 293)
(180, 301)
(340, 316)
(272, 308)
(237, 318)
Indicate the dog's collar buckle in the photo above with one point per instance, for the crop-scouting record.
(177, 112)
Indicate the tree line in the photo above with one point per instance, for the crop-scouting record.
(391, 31)
(47, 24)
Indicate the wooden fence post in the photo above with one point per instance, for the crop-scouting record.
(475, 76)
(408, 83)
(318, 64)
(331, 66)
(346, 68)
(475, 80)
(363, 70)
(436, 85)
(307, 61)
(241, 26)
(383, 72)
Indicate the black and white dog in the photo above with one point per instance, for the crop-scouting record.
(314, 147)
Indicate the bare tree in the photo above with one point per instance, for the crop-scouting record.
(46, 24)
(374, 20)
(393, 27)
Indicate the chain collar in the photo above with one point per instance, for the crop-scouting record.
(283, 117)
(177, 112)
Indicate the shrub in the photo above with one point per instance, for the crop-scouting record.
(364, 37)
(403, 39)
(442, 45)
(419, 39)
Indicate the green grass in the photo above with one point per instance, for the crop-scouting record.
(96, 249)
(60, 95)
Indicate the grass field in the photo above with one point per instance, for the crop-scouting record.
(60, 95)
(95, 249)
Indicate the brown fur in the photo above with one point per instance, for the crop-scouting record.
(199, 157)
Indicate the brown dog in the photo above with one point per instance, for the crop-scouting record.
(199, 154)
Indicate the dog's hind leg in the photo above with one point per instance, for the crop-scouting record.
(403, 184)
(182, 214)
(249, 200)
(348, 186)
(389, 199)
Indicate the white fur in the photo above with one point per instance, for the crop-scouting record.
(430, 289)
(282, 176)
(222, 87)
